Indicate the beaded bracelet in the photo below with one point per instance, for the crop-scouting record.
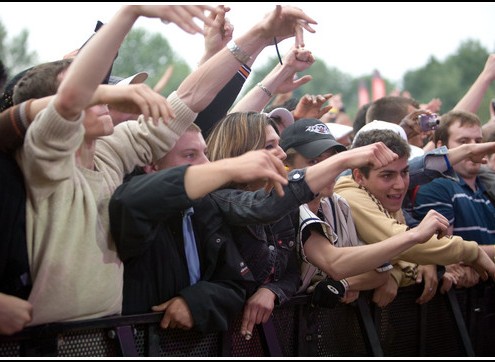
(263, 88)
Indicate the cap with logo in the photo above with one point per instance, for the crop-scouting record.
(309, 137)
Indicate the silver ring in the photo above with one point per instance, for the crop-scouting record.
(165, 21)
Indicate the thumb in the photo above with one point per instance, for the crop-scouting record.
(303, 80)
(160, 307)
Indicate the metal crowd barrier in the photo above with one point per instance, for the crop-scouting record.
(460, 323)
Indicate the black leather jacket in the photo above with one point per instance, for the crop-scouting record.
(268, 246)
(145, 223)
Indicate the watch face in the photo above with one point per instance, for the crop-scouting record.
(295, 176)
(385, 267)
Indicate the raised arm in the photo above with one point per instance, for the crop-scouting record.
(96, 57)
(279, 80)
(344, 262)
(201, 86)
(135, 99)
(472, 99)
(374, 155)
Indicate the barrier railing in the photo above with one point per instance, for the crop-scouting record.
(460, 323)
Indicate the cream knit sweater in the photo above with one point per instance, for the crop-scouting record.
(74, 264)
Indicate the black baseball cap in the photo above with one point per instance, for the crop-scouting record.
(310, 137)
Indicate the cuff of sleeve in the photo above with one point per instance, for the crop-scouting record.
(184, 116)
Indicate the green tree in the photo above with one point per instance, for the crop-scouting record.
(143, 51)
(448, 80)
(451, 79)
(14, 52)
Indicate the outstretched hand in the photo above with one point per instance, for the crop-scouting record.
(135, 99)
(477, 152)
(432, 223)
(181, 15)
(312, 106)
(260, 164)
(375, 155)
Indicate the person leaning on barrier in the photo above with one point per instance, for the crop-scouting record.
(282, 23)
(463, 199)
(332, 255)
(376, 196)
(102, 163)
(146, 221)
(268, 244)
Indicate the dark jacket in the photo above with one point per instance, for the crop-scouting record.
(269, 251)
(268, 245)
(14, 266)
(149, 241)
(146, 224)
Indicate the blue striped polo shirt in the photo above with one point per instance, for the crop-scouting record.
(471, 213)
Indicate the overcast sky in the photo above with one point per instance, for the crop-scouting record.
(354, 37)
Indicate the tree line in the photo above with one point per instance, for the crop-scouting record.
(447, 80)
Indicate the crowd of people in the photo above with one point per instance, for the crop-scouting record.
(117, 200)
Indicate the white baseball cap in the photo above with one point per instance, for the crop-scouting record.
(133, 79)
(339, 130)
(415, 151)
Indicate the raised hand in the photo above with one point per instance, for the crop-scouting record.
(181, 15)
(218, 34)
(311, 106)
(489, 69)
(410, 123)
(135, 99)
(296, 60)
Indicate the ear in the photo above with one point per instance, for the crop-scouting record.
(358, 176)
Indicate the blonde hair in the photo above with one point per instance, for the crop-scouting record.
(238, 133)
